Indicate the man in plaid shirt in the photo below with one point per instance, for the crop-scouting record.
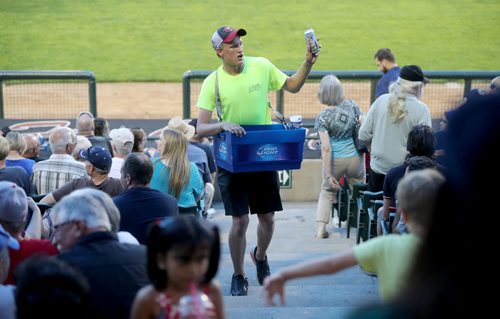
(60, 168)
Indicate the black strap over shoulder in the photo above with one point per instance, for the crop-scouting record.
(217, 97)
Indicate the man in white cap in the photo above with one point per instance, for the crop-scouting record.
(241, 85)
(122, 141)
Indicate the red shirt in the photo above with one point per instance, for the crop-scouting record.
(28, 248)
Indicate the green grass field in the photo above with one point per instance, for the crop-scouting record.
(159, 40)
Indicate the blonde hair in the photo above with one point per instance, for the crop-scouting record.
(174, 156)
(399, 91)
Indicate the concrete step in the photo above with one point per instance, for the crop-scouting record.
(331, 296)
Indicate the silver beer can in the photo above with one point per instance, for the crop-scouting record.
(311, 38)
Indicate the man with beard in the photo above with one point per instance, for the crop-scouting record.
(386, 62)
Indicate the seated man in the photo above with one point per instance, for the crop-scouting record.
(122, 141)
(98, 164)
(61, 167)
(85, 127)
(115, 271)
(141, 205)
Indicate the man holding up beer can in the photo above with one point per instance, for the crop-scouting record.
(243, 84)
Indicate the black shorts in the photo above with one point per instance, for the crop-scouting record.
(258, 190)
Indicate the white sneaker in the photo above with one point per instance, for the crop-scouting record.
(210, 212)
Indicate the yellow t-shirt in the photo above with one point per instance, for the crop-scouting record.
(244, 97)
(390, 257)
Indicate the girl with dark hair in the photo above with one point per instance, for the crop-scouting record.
(183, 258)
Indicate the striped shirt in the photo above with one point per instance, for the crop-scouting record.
(53, 173)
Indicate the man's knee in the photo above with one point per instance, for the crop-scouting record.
(266, 220)
(240, 224)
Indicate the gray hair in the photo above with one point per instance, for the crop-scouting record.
(16, 142)
(85, 122)
(81, 143)
(82, 205)
(331, 91)
(60, 137)
(417, 192)
(110, 207)
(495, 84)
(4, 148)
(399, 91)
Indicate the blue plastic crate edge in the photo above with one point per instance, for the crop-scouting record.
(261, 168)
(263, 148)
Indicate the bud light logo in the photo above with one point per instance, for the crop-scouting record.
(268, 151)
(223, 151)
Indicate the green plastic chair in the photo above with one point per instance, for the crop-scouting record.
(367, 216)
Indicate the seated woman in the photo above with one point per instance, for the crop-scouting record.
(17, 147)
(175, 175)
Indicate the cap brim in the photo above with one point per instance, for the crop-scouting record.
(190, 132)
(232, 35)
(83, 154)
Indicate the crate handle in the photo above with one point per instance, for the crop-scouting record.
(222, 136)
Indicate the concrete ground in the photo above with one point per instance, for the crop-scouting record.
(333, 296)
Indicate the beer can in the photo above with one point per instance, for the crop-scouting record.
(311, 38)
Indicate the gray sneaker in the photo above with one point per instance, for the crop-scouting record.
(262, 267)
(239, 285)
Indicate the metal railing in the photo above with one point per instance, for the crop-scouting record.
(446, 90)
(27, 94)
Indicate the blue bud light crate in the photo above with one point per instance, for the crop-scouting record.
(263, 148)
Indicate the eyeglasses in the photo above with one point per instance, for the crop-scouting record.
(56, 227)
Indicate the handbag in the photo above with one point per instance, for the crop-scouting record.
(358, 144)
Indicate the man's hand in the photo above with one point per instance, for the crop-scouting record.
(310, 57)
(233, 128)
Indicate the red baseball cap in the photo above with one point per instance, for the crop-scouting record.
(225, 34)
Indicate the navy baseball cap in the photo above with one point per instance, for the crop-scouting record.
(413, 73)
(97, 156)
(225, 34)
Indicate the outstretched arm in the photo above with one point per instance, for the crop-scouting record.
(295, 82)
(275, 284)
